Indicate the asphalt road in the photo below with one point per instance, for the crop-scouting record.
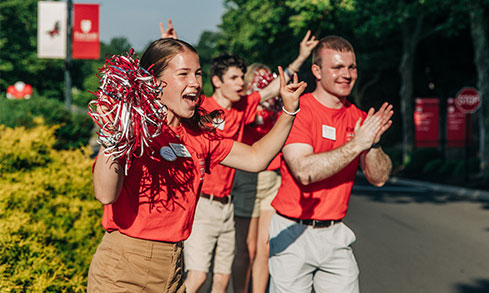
(410, 240)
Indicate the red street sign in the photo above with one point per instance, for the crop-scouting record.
(468, 100)
(455, 125)
(426, 122)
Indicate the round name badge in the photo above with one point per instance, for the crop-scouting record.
(167, 153)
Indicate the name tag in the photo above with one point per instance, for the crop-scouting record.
(329, 132)
(180, 150)
(167, 153)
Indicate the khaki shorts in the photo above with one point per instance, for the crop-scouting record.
(254, 192)
(213, 229)
(125, 264)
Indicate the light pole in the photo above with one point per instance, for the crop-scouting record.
(68, 58)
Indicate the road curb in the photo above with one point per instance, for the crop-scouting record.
(476, 194)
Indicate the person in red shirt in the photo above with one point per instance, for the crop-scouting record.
(214, 225)
(214, 236)
(253, 192)
(310, 247)
(149, 211)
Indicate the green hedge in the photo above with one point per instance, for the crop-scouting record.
(49, 219)
(429, 164)
(75, 128)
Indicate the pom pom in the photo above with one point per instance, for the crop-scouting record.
(261, 81)
(126, 107)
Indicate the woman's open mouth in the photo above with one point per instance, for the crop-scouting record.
(191, 99)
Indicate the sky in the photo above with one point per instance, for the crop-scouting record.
(139, 21)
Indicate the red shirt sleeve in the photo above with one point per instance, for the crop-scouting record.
(219, 149)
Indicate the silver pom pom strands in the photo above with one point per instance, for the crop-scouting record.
(126, 107)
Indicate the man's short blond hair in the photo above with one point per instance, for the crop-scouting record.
(332, 42)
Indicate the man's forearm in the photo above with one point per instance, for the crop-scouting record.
(316, 167)
(295, 65)
(376, 166)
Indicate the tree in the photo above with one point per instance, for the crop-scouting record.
(269, 31)
(386, 36)
(479, 27)
(413, 21)
(18, 50)
(117, 45)
(474, 15)
(207, 49)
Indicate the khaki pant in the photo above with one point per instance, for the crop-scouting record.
(213, 231)
(303, 258)
(125, 264)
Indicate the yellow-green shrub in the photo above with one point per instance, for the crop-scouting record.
(49, 219)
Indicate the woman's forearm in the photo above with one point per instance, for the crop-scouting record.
(257, 157)
(107, 178)
(271, 144)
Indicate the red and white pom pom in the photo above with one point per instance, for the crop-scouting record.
(261, 81)
(126, 107)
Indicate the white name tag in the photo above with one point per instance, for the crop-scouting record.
(219, 124)
(180, 150)
(329, 132)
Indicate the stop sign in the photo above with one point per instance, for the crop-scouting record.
(468, 100)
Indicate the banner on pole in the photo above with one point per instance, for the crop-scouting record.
(426, 121)
(86, 37)
(455, 125)
(51, 29)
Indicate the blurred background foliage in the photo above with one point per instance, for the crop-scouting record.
(405, 49)
(49, 221)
